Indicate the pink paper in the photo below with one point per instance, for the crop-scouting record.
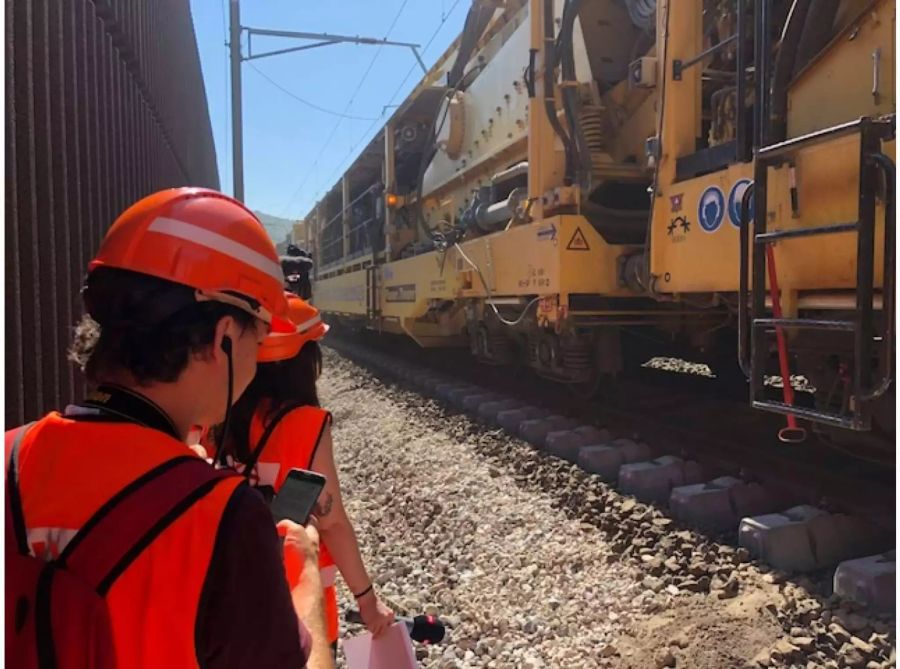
(393, 650)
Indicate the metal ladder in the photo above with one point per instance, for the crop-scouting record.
(372, 307)
(862, 326)
(754, 323)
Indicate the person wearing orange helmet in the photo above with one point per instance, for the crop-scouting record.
(178, 299)
(277, 425)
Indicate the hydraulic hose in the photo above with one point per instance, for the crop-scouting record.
(582, 154)
(550, 61)
(480, 14)
(642, 13)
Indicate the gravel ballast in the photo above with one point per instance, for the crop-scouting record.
(533, 563)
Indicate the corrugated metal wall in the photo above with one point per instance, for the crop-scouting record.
(105, 103)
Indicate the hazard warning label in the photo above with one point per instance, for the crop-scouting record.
(578, 242)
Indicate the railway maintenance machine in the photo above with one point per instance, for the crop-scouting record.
(578, 185)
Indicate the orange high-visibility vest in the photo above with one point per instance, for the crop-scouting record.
(67, 470)
(292, 445)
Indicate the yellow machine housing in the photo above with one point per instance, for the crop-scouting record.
(827, 130)
(835, 87)
(502, 236)
(565, 189)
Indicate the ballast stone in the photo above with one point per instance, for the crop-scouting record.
(605, 460)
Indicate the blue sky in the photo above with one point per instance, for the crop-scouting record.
(288, 164)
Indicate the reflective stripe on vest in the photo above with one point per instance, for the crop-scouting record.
(67, 470)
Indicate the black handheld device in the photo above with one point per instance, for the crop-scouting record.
(297, 496)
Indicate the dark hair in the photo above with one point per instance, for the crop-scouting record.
(145, 326)
(278, 384)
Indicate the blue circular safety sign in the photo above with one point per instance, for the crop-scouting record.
(711, 209)
(734, 201)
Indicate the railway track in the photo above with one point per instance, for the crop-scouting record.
(708, 462)
(703, 601)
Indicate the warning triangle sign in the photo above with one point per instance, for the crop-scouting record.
(578, 242)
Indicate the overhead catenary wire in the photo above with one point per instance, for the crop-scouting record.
(337, 125)
(350, 153)
(376, 54)
(307, 103)
(434, 35)
(412, 69)
(365, 135)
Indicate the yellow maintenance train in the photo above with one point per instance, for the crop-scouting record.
(579, 184)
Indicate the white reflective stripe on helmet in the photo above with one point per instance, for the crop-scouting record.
(328, 575)
(306, 325)
(216, 242)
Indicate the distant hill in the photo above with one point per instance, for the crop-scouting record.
(279, 228)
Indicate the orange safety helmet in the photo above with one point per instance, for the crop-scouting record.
(203, 239)
(288, 335)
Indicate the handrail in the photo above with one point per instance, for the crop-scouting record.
(744, 150)
(744, 264)
(359, 197)
(679, 66)
(325, 247)
(888, 280)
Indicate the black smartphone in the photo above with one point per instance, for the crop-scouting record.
(298, 496)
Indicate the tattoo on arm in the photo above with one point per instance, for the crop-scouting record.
(323, 506)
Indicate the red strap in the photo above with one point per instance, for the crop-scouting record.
(16, 537)
(126, 524)
(12, 438)
(123, 527)
(786, 387)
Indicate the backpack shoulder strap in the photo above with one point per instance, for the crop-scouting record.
(250, 465)
(126, 524)
(16, 534)
(324, 421)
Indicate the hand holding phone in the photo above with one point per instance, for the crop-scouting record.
(297, 496)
